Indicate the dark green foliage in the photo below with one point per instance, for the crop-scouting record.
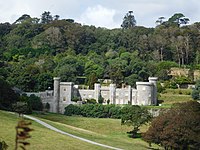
(21, 108)
(46, 17)
(128, 21)
(100, 100)
(94, 110)
(196, 91)
(75, 99)
(178, 128)
(170, 84)
(7, 95)
(34, 51)
(134, 116)
(35, 103)
(160, 88)
(91, 101)
(3, 145)
(72, 110)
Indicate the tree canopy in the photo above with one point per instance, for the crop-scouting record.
(129, 20)
(33, 50)
(178, 128)
(134, 116)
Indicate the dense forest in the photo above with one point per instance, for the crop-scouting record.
(34, 50)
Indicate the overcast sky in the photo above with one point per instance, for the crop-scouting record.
(101, 13)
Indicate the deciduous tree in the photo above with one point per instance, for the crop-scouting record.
(178, 128)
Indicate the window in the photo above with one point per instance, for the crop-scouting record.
(64, 98)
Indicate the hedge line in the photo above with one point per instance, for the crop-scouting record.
(94, 110)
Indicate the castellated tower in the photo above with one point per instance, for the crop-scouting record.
(66, 95)
(154, 92)
(147, 92)
(112, 93)
(97, 91)
(56, 92)
(144, 93)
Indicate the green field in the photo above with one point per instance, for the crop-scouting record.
(42, 138)
(105, 131)
(171, 96)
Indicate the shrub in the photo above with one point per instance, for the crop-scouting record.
(72, 110)
(75, 99)
(35, 103)
(91, 101)
(94, 110)
(3, 145)
(196, 91)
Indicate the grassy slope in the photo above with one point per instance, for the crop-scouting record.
(106, 131)
(42, 138)
(175, 96)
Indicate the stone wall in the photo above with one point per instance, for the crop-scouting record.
(144, 94)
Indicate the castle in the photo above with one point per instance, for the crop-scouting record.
(63, 93)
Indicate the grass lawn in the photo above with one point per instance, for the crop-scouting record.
(175, 96)
(42, 138)
(102, 130)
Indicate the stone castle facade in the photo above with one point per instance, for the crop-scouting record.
(63, 93)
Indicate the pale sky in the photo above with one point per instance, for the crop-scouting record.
(101, 13)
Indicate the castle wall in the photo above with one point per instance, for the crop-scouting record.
(56, 92)
(86, 94)
(134, 97)
(153, 80)
(105, 93)
(144, 93)
(112, 90)
(123, 96)
(66, 90)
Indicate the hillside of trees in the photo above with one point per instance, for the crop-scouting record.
(34, 50)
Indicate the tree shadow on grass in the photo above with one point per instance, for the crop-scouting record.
(132, 134)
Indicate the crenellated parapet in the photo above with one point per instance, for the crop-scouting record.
(63, 93)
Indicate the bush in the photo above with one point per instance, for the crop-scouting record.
(72, 110)
(35, 103)
(91, 101)
(196, 91)
(160, 88)
(75, 99)
(94, 110)
(3, 145)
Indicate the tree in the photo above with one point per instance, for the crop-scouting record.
(196, 91)
(160, 20)
(178, 19)
(21, 108)
(22, 18)
(35, 103)
(46, 17)
(133, 115)
(7, 95)
(178, 128)
(100, 100)
(128, 21)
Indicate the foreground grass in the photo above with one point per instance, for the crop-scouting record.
(105, 131)
(42, 138)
